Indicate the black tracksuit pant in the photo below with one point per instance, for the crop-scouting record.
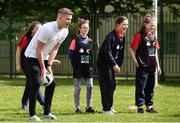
(25, 96)
(145, 82)
(107, 84)
(34, 74)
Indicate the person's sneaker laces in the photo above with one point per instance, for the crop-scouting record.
(152, 110)
(50, 116)
(78, 111)
(24, 107)
(90, 110)
(108, 112)
(35, 118)
(140, 110)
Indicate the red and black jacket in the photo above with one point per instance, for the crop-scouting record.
(146, 51)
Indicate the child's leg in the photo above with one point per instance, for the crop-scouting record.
(40, 98)
(89, 85)
(107, 87)
(77, 89)
(141, 79)
(149, 90)
(25, 96)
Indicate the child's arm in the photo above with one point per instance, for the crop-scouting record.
(56, 62)
(71, 51)
(157, 62)
(134, 46)
(133, 53)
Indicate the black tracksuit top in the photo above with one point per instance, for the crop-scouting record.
(146, 52)
(112, 51)
(23, 57)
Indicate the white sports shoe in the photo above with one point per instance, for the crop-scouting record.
(50, 116)
(110, 112)
(114, 111)
(35, 118)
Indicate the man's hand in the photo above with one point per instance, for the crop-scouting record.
(49, 69)
(43, 73)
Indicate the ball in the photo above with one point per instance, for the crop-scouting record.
(47, 80)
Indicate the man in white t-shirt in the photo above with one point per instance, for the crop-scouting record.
(41, 52)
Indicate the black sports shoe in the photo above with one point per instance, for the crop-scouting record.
(78, 111)
(140, 110)
(90, 110)
(152, 110)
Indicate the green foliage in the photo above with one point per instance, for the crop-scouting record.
(48, 8)
(166, 102)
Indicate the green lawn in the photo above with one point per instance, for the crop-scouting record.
(167, 102)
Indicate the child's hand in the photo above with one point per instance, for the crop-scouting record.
(158, 70)
(56, 62)
(116, 69)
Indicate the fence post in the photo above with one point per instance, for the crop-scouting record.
(154, 13)
(10, 38)
(162, 77)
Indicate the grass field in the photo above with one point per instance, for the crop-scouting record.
(167, 102)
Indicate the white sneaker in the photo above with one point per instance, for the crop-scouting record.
(35, 118)
(110, 112)
(50, 116)
(114, 111)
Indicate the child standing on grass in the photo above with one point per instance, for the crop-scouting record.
(80, 54)
(109, 61)
(144, 53)
(21, 63)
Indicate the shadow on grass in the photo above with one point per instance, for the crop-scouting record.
(9, 109)
(173, 83)
(98, 112)
(12, 82)
(22, 81)
(59, 81)
(69, 81)
(83, 113)
(174, 115)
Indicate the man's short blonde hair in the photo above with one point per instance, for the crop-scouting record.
(65, 11)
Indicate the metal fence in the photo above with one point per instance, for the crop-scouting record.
(100, 25)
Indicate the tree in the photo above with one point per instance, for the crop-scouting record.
(44, 8)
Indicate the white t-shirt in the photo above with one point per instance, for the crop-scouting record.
(48, 34)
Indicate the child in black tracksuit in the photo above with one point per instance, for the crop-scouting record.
(21, 63)
(144, 53)
(109, 61)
